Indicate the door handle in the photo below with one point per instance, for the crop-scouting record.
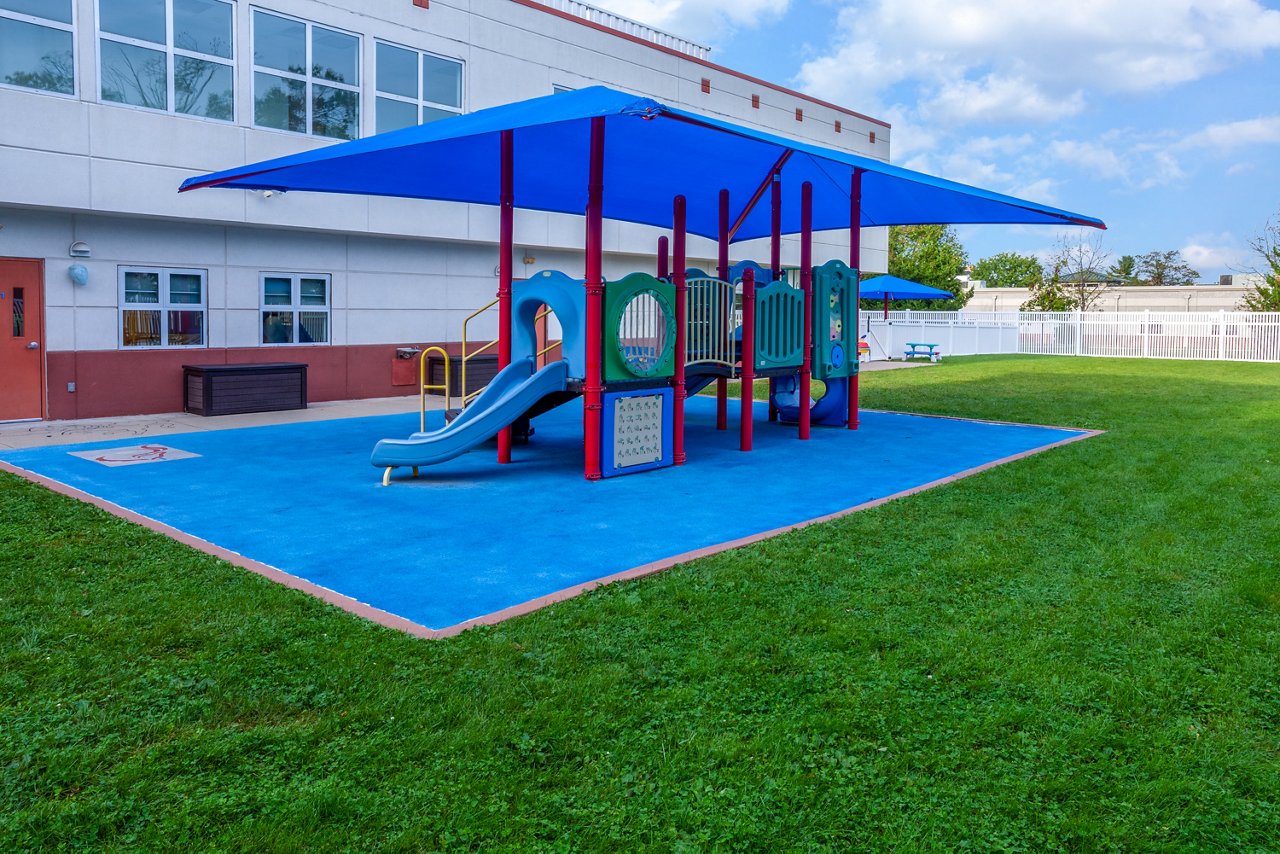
(34, 345)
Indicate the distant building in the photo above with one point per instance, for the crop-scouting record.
(116, 281)
(1124, 298)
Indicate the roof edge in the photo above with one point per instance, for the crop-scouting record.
(706, 63)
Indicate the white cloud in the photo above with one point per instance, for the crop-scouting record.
(1240, 169)
(987, 146)
(1214, 252)
(702, 21)
(1230, 135)
(1031, 61)
(1040, 190)
(996, 98)
(1089, 157)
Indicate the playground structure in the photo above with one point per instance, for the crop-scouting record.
(734, 328)
(656, 153)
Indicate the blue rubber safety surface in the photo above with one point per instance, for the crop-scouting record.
(471, 537)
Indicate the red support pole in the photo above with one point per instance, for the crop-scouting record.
(682, 292)
(775, 259)
(806, 285)
(775, 234)
(592, 390)
(886, 306)
(722, 269)
(748, 371)
(506, 213)
(855, 264)
(663, 269)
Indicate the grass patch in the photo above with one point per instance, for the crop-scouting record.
(1080, 650)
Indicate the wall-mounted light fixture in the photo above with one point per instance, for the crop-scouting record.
(529, 259)
(79, 249)
(79, 274)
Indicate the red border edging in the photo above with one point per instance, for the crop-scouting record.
(392, 621)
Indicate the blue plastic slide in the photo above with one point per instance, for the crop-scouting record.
(830, 410)
(513, 392)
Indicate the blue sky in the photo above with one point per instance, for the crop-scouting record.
(1162, 117)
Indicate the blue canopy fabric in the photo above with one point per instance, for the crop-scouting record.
(891, 287)
(652, 153)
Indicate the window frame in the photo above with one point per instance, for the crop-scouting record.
(308, 79)
(171, 52)
(295, 306)
(163, 306)
(420, 102)
(52, 24)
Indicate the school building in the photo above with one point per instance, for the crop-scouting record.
(110, 281)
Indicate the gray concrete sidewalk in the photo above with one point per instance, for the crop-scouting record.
(32, 434)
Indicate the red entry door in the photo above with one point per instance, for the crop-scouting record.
(21, 339)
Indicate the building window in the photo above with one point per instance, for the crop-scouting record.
(306, 78)
(415, 87)
(162, 307)
(37, 45)
(295, 308)
(172, 55)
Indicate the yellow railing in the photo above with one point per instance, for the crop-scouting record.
(467, 396)
(466, 356)
(423, 387)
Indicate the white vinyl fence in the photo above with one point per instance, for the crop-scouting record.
(1228, 335)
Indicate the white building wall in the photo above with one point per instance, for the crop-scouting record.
(1135, 298)
(74, 169)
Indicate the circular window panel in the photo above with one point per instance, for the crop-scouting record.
(646, 333)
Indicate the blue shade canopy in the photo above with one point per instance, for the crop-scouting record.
(891, 287)
(652, 153)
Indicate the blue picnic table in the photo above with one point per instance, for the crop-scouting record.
(929, 351)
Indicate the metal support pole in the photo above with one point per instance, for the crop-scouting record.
(722, 271)
(663, 270)
(722, 403)
(748, 371)
(682, 294)
(722, 268)
(855, 264)
(806, 285)
(592, 390)
(506, 214)
(775, 258)
(775, 230)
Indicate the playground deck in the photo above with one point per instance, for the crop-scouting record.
(472, 541)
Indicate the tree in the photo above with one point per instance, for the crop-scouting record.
(931, 255)
(1265, 295)
(1009, 270)
(1161, 269)
(1125, 270)
(1050, 294)
(56, 74)
(1078, 266)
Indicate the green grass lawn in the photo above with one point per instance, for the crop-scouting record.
(1076, 651)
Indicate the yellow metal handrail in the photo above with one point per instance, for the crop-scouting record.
(466, 357)
(467, 396)
(423, 387)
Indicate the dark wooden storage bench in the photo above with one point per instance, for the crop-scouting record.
(232, 389)
(480, 371)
